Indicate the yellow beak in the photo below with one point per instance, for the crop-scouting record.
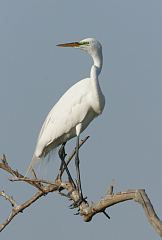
(72, 44)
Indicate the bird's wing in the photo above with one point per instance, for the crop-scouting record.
(70, 110)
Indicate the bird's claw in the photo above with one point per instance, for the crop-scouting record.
(77, 213)
(78, 203)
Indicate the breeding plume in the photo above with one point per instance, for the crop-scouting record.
(75, 109)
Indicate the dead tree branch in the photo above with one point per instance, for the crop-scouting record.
(66, 189)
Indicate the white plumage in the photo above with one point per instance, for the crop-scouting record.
(76, 108)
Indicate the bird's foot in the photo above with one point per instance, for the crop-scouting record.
(78, 202)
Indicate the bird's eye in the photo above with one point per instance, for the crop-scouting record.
(84, 43)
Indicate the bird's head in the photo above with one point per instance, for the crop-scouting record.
(89, 45)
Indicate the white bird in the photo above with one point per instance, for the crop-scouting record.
(75, 109)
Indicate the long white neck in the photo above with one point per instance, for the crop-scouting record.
(98, 98)
(97, 65)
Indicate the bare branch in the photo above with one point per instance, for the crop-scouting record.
(19, 208)
(9, 198)
(142, 198)
(67, 189)
(109, 200)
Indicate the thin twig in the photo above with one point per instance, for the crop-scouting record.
(8, 198)
(33, 181)
(4, 160)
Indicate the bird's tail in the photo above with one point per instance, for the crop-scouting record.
(31, 165)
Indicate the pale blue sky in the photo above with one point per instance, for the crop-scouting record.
(125, 143)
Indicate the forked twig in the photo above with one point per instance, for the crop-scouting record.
(9, 198)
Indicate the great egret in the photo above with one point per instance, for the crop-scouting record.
(75, 109)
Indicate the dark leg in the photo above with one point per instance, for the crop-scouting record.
(62, 156)
(78, 170)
